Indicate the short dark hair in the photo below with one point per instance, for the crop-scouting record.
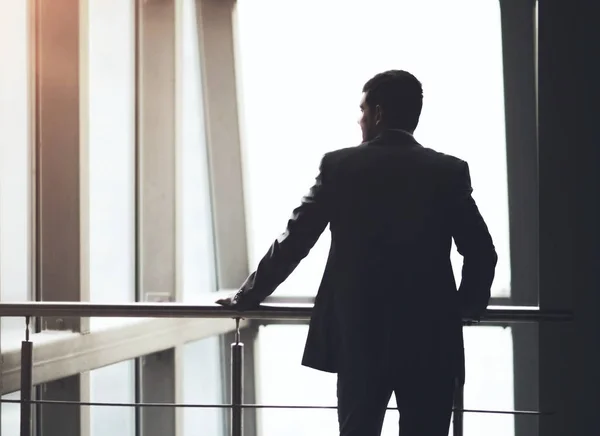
(400, 96)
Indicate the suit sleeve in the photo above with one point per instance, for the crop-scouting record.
(474, 243)
(303, 230)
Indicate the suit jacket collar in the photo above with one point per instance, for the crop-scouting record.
(394, 137)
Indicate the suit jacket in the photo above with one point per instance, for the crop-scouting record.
(388, 293)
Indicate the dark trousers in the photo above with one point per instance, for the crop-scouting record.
(424, 402)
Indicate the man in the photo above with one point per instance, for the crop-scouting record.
(387, 316)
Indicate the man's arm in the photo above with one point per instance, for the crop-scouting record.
(304, 228)
(474, 243)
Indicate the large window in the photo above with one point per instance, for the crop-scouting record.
(111, 157)
(15, 152)
(302, 76)
(196, 244)
(111, 166)
(200, 370)
(112, 197)
(302, 73)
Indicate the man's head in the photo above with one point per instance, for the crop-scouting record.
(391, 100)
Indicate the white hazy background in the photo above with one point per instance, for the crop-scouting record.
(302, 67)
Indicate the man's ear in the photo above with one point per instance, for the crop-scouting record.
(378, 115)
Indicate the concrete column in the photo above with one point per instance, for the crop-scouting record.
(569, 171)
(61, 237)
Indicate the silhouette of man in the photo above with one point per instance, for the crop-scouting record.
(387, 315)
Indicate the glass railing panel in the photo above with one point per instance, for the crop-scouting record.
(489, 383)
(113, 384)
(202, 383)
(281, 380)
(10, 420)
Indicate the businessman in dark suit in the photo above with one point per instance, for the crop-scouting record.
(387, 316)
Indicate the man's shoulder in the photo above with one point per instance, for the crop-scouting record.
(342, 152)
(443, 158)
(429, 154)
(334, 157)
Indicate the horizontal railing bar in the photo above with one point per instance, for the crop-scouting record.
(270, 312)
(306, 322)
(244, 406)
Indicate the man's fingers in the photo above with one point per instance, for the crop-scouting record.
(224, 301)
(232, 303)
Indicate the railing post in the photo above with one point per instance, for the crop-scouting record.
(459, 405)
(26, 382)
(237, 383)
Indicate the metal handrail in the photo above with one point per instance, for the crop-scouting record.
(271, 311)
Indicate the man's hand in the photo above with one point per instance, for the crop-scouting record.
(227, 302)
(237, 303)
